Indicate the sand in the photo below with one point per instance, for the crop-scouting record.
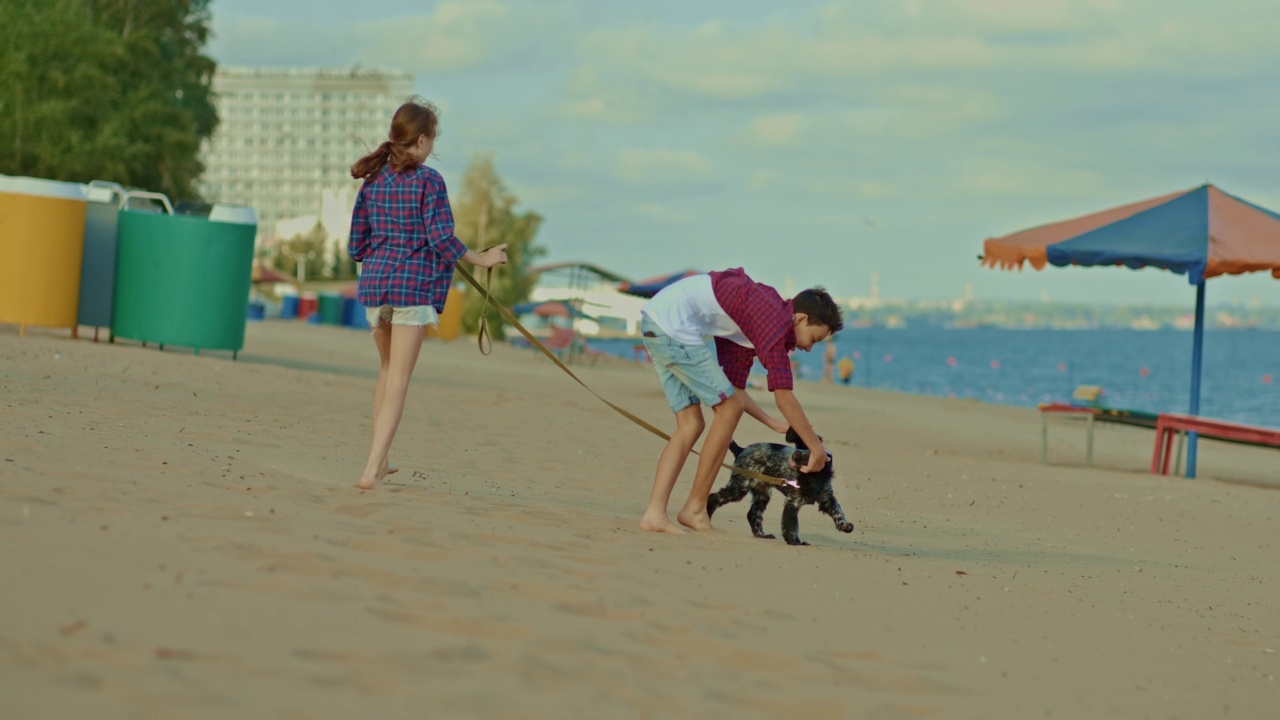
(180, 538)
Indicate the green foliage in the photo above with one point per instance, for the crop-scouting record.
(106, 89)
(484, 216)
(307, 249)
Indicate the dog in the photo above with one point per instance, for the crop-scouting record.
(784, 463)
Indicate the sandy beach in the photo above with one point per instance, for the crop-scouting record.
(180, 538)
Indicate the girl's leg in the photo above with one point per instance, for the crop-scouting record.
(402, 355)
(382, 339)
(689, 425)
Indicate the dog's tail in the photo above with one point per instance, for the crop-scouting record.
(735, 448)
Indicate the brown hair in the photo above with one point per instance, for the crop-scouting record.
(821, 309)
(411, 121)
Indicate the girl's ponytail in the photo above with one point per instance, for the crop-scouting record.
(372, 164)
(411, 121)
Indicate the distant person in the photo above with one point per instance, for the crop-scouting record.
(402, 234)
(748, 320)
(845, 368)
(828, 359)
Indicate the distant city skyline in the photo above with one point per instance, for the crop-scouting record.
(823, 141)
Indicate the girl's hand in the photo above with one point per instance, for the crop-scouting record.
(779, 426)
(496, 255)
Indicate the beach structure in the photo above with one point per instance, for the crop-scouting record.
(1200, 233)
(593, 292)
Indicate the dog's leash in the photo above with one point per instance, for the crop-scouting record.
(506, 314)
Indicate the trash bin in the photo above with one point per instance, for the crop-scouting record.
(98, 268)
(308, 305)
(330, 308)
(451, 319)
(42, 225)
(288, 307)
(184, 279)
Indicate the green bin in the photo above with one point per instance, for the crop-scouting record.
(331, 308)
(183, 279)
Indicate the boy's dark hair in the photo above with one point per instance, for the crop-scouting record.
(821, 309)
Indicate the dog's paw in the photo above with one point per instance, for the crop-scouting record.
(845, 527)
(796, 541)
(766, 536)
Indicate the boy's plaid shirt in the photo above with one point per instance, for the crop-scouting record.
(402, 235)
(765, 319)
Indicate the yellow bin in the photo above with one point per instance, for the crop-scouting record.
(41, 247)
(451, 319)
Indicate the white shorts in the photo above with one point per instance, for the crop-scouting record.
(416, 316)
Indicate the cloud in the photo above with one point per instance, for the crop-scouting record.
(663, 167)
(846, 48)
(455, 35)
(662, 214)
(779, 129)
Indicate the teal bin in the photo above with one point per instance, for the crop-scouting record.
(331, 308)
(183, 279)
(98, 268)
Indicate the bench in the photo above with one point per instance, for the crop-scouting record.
(1169, 424)
(1091, 414)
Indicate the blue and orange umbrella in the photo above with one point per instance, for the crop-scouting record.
(649, 288)
(1201, 233)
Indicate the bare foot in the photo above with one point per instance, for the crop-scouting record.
(367, 484)
(695, 521)
(660, 524)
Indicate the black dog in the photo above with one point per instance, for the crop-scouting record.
(781, 462)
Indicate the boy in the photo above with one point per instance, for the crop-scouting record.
(748, 320)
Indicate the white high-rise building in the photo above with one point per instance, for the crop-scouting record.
(288, 137)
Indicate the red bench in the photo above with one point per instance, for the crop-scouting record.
(1169, 424)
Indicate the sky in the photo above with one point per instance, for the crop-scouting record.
(817, 143)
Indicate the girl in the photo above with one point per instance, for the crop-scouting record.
(402, 234)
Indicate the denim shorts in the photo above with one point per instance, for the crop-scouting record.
(416, 316)
(690, 374)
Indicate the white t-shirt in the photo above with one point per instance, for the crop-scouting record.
(687, 311)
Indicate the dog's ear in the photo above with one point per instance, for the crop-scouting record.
(800, 458)
(794, 439)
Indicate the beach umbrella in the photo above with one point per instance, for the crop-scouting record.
(649, 288)
(1201, 233)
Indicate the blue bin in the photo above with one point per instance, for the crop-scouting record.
(315, 318)
(288, 307)
(257, 310)
(349, 307)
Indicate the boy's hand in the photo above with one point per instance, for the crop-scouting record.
(817, 459)
(779, 426)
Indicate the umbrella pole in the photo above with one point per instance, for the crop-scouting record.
(1197, 348)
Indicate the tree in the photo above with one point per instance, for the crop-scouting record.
(106, 89)
(485, 215)
(305, 249)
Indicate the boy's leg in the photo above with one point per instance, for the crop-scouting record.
(724, 421)
(689, 424)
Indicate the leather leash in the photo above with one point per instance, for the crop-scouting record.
(510, 318)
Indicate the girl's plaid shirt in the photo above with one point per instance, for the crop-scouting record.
(402, 235)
